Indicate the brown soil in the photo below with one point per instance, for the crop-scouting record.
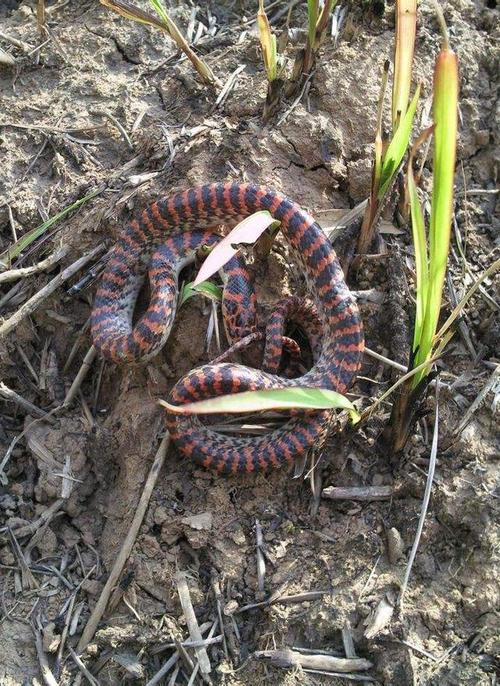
(55, 148)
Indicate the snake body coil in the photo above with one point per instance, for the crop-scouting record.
(161, 240)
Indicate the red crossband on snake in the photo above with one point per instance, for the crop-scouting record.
(161, 241)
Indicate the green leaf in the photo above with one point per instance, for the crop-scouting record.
(312, 13)
(445, 111)
(420, 245)
(419, 241)
(398, 146)
(267, 399)
(205, 288)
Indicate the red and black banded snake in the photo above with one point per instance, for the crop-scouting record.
(161, 240)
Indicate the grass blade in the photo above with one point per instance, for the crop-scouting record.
(419, 242)
(445, 137)
(397, 147)
(267, 399)
(205, 288)
(406, 26)
(25, 241)
(268, 44)
(165, 23)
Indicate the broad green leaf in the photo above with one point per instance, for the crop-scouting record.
(267, 399)
(398, 146)
(206, 288)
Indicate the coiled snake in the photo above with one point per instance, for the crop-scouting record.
(161, 241)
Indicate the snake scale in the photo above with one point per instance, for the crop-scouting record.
(165, 237)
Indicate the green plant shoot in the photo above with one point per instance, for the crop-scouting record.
(445, 136)
(268, 44)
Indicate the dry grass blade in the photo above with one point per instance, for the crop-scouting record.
(165, 669)
(126, 548)
(166, 24)
(25, 241)
(425, 502)
(261, 561)
(489, 386)
(192, 623)
(47, 675)
(35, 301)
(28, 581)
(406, 26)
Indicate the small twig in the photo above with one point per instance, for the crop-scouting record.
(261, 562)
(386, 360)
(47, 675)
(28, 364)
(76, 345)
(116, 123)
(416, 649)
(327, 663)
(489, 385)
(50, 261)
(189, 644)
(15, 41)
(363, 493)
(163, 670)
(425, 502)
(82, 667)
(46, 516)
(364, 678)
(34, 302)
(126, 548)
(296, 102)
(14, 397)
(192, 622)
(82, 373)
(278, 597)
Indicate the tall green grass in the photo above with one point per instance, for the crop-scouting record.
(389, 154)
(431, 247)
